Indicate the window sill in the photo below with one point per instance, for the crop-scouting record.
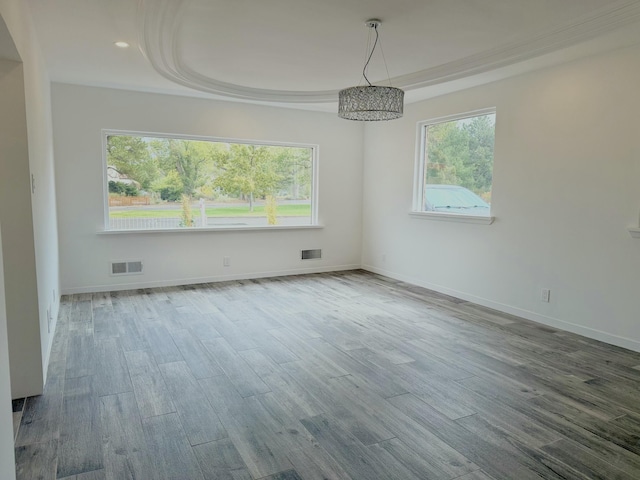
(453, 217)
(211, 229)
(635, 232)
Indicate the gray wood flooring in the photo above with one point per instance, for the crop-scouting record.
(332, 376)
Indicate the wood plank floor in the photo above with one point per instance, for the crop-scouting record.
(332, 376)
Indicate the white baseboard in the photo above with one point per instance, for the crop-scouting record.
(215, 278)
(592, 333)
(55, 310)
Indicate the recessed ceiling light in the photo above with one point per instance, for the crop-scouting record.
(121, 44)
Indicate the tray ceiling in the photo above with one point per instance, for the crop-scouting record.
(304, 51)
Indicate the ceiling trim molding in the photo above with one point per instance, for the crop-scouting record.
(159, 24)
(616, 15)
(160, 21)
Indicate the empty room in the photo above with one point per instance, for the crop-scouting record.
(297, 240)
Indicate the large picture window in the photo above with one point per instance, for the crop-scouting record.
(159, 182)
(455, 164)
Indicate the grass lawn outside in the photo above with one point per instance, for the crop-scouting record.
(295, 210)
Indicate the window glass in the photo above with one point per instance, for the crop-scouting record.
(156, 182)
(456, 161)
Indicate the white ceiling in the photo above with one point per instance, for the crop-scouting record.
(303, 51)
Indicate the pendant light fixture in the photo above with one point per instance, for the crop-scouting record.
(371, 102)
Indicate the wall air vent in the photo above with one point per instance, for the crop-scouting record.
(126, 268)
(311, 254)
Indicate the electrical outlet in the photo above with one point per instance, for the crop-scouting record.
(384, 258)
(545, 295)
(49, 320)
(226, 261)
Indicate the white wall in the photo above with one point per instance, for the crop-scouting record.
(43, 200)
(18, 249)
(7, 459)
(566, 187)
(80, 113)
(29, 337)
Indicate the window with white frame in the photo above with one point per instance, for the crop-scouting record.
(158, 182)
(454, 173)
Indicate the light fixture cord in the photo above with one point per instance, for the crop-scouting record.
(384, 60)
(364, 70)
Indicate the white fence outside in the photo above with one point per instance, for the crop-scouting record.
(174, 222)
(147, 223)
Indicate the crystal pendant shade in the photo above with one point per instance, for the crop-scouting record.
(370, 103)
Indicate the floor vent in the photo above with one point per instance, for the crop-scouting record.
(126, 268)
(311, 254)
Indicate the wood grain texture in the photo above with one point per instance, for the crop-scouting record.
(37, 461)
(314, 463)
(112, 373)
(235, 368)
(104, 321)
(414, 461)
(95, 475)
(125, 450)
(81, 356)
(201, 363)
(258, 444)
(353, 457)
(288, 475)
(148, 384)
(80, 447)
(173, 458)
(200, 421)
(220, 459)
(130, 334)
(290, 394)
(439, 455)
(497, 455)
(40, 420)
(334, 376)
(41, 416)
(161, 344)
(583, 461)
(344, 410)
(477, 475)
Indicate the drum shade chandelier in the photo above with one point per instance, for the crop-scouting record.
(371, 102)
